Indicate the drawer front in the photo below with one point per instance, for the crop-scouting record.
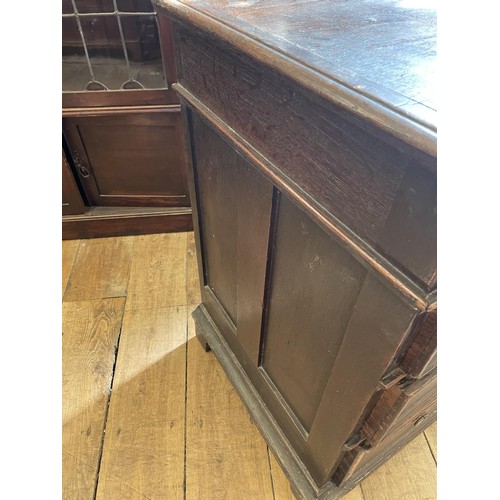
(404, 409)
(379, 190)
(396, 406)
(358, 463)
(421, 356)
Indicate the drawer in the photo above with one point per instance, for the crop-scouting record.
(360, 462)
(401, 412)
(421, 356)
(379, 191)
(398, 405)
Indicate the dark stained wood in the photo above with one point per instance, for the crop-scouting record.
(130, 159)
(379, 323)
(236, 204)
(396, 406)
(352, 176)
(359, 463)
(118, 98)
(100, 222)
(388, 80)
(421, 356)
(408, 288)
(167, 48)
(314, 196)
(72, 202)
(305, 329)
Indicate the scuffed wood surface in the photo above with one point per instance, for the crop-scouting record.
(101, 269)
(90, 336)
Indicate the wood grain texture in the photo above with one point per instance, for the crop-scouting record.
(431, 435)
(129, 159)
(351, 175)
(101, 269)
(283, 491)
(409, 475)
(192, 279)
(69, 250)
(300, 42)
(90, 335)
(158, 273)
(143, 453)
(226, 457)
(104, 222)
(314, 287)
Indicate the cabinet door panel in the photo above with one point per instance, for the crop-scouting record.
(72, 202)
(314, 287)
(234, 202)
(129, 159)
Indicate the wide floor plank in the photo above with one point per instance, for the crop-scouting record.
(101, 269)
(158, 274)
(69, 249)
(431, 435)
(409, 475)
(90, 335)
(143, 454)
(226, 457)
(193, 280)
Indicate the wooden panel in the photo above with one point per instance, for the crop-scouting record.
(378, 325)
(72, 202)
(235, 211)
(193, 279)
(306, 328)
(69, 250)
(351, 175)
(102, 222)
(226, 457)
(101, 269)
(130, 159)
(90, 336)
(158, 273)
(396, 406)
(143, 451)
(421, 356)
(409, 475)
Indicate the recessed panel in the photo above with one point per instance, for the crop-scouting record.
(314, 287)
(234, 212)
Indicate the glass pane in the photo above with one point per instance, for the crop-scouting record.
(75, 70)
(105, 49)
(143, 48)
(91, 6)
(67, 7)
(134, 6)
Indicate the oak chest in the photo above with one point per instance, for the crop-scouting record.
(311, 140)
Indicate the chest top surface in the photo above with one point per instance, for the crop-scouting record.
(379, 51)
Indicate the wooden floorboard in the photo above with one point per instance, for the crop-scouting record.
(143, 454)
(193, 280)
(409, 475)
(170, 433)
(90, 335)
(158, 274)
(69, 249)
(431, 435)
(226, 455)
(101, 269)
